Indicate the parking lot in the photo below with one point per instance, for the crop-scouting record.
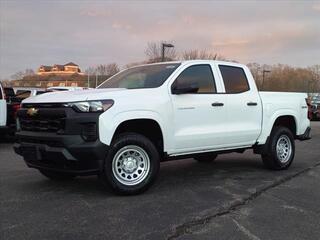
(233, 198)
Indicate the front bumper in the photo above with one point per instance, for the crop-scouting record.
(69, 154)
(59, 139)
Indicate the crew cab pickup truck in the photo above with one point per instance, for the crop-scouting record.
(143, 115)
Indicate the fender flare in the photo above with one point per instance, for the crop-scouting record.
(107, 126)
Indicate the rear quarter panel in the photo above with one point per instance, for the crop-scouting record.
(277, 104)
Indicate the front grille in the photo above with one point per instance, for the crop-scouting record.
(41, 125)
(48, 118)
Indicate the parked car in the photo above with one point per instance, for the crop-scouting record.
(157, 112)
(315, 106)
(54, 89)
(22, 93)
(8, 109)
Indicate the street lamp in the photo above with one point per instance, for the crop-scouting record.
(263, 74)
(164, 46)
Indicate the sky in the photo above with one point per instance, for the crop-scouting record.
(34, 33)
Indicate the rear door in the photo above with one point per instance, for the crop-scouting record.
(199, 117)
(3, 108)
(244, 110)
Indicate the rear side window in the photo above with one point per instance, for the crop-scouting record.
(197, 74)
(234, 78)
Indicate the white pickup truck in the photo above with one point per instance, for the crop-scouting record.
(156, 112)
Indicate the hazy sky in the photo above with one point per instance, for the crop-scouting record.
(92, 32)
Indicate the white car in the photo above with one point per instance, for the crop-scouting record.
(26, 92)
(65, 88)
(152, 113)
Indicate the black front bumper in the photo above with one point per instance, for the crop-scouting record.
(69, 154)
(72, 146)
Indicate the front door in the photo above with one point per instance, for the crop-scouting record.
(200, 114)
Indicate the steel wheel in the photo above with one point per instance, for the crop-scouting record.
(131, 165)
(284, 148)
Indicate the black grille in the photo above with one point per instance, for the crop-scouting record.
(47, 118)
(41, 125)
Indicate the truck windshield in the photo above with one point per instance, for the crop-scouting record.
(149, 76)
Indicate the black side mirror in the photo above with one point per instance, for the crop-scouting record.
(184, 89)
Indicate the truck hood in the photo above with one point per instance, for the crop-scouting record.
(75, 96)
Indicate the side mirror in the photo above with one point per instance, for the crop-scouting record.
(184, 89)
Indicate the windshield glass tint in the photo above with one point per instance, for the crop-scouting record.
(149, 76)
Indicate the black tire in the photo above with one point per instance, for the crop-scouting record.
(206, 158)
(270, 158)
(110, 178)
(57, 176)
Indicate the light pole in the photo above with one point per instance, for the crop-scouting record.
(164, 46)
(263, 74)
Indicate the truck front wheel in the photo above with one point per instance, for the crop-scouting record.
(132, 164)
(280, 149)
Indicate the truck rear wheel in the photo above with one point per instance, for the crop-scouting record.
(280, 150)
(132, 164)
(206, 158)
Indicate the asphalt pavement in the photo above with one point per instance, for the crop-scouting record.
(233, 198)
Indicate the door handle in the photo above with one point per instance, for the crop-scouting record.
(252, 104)
(217, 104)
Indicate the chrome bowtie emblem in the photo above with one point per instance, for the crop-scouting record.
(32, 112)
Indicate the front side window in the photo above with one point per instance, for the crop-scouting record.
(234, 78)
(148, 76)
(197, 75)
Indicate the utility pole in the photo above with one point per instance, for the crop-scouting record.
(88, 79)
(263, 74)
(164, 46)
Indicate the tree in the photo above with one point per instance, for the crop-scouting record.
(112, 69)
(103, 69)
(198, 54)
(17, 76)
(21, 74)
(154, 52)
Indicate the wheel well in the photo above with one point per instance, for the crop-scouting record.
(287, 121)
(146, 127)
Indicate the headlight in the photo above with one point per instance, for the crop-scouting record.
(91, 106)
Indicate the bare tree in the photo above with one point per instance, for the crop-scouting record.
(29, 72)
(105, 69)
(21, 74)
(90, 71)
(154, 52)
(201, 54)
(18, 75)
(112, 69)
(101, 69)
